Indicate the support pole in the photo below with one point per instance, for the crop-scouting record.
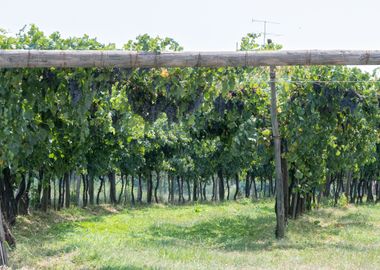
(3, 251)
(280, 212)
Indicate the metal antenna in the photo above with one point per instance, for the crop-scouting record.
(265, 22)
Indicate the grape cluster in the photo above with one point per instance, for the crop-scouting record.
(75, 91)
(48, 75)
(222, 105)
(195, 103)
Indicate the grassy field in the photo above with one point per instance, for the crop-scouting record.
(228, 236)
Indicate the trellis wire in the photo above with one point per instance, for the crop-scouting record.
(312, 81)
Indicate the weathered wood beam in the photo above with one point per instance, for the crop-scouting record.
(3, 250)
(127, 59)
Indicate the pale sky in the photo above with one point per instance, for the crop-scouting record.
(205, 24)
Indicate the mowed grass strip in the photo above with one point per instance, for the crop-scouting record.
(233, 235)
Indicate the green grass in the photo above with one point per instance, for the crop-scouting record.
(228, 236)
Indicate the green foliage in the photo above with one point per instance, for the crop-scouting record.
(191, 122)
(330, 124)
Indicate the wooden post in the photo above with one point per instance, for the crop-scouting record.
(280, 211)
(3, 251)
(130, 59)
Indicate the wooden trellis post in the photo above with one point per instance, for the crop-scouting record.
(3, 251)
(280, 208)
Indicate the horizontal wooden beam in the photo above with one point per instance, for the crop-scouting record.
(128, 59)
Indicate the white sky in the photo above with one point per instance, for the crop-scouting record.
(205, 24)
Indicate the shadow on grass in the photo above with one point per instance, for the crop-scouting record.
(43, 227)
(236, 233)
(356, 218)
(125, 267)
(245, 233)
(55, 224)
(335, 223)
